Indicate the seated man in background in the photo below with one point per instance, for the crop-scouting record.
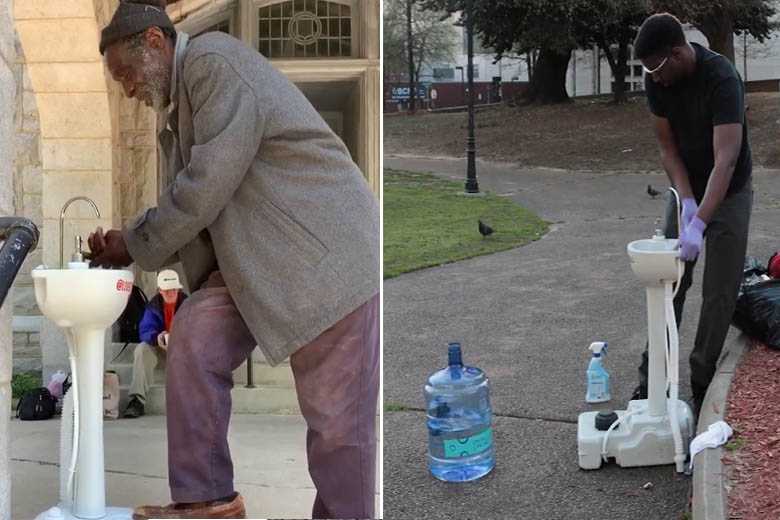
(154, 330)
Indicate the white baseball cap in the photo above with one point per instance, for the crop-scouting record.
(168, 279)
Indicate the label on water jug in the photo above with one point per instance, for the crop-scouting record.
(468, 446)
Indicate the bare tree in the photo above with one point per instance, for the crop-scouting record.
(414, 38)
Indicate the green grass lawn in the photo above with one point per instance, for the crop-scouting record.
(428, 221)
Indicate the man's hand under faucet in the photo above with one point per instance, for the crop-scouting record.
(108, 249)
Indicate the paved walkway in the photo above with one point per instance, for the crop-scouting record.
(269, 458)
(527, 316)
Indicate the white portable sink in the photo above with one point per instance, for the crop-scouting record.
(91, 298)
(654, 260)
(655, 430)
(84, 303)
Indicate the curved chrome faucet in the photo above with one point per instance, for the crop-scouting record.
(679, 209)
(62, 223)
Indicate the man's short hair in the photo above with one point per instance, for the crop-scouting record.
(657, 35)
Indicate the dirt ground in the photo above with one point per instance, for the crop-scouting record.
(586, 134)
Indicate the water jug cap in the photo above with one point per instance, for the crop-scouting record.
(455, 357)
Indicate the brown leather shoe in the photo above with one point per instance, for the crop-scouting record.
(214, 509)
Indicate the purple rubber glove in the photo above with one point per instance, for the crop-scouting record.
(689, 208)
(691, 239)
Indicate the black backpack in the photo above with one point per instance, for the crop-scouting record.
(36, 405)
(126, 328)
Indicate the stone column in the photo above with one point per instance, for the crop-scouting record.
(60, 42)
(7, 97)
(372, 91)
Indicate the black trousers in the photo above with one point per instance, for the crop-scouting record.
(725, 244)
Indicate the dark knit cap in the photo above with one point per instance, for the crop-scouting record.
(134, 16)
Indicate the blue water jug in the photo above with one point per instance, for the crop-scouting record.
(460, 437)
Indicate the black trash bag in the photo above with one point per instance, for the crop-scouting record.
(752, 273)
(758, 312)
(36, 404)
(753, 266)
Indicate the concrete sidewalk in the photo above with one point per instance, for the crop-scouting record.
(268, 451)
(527, 316)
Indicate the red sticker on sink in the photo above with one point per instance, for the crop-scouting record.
(124, 285)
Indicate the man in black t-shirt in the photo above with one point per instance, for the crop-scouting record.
(698, 104)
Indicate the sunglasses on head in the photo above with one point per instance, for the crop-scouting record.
(660, 65)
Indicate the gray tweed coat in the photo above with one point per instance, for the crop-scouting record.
(259, 187)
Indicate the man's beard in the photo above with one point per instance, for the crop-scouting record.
(157, 85)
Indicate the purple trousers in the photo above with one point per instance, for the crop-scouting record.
(337, 381)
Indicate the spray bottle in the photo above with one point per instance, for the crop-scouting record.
(598, 378)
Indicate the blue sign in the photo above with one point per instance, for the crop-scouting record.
(402, 93)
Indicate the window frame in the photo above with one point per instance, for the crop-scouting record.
(251, 8)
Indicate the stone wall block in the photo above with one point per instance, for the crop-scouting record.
(61, 186)
(65, 115)
(32, 9)
(76, 154)
(67, 77)
(31, 205)
(127, 197)
(31, 120)
(32, 177)
(28, 149)
(59, 40)
(7, 44)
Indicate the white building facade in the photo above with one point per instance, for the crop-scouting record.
(589, 72)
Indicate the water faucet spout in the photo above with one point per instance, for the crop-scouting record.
(679, 209)
(62, 222)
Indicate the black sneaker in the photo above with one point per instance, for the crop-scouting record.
(135, 408)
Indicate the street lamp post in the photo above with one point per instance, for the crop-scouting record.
(471, 152)
(462, 86)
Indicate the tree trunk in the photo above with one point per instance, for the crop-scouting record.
(618, 65)
(410, 47)
(720, 34)
(548, 83)
(620, 71)
(529, 62)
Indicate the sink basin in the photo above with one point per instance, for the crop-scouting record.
(654, 260)
(91, 298)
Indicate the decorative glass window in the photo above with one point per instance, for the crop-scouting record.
(305, 29)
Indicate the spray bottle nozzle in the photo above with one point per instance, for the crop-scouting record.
(599, 348)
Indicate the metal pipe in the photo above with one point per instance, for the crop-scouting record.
(472, 186)
(20, 236)
(62, 223)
